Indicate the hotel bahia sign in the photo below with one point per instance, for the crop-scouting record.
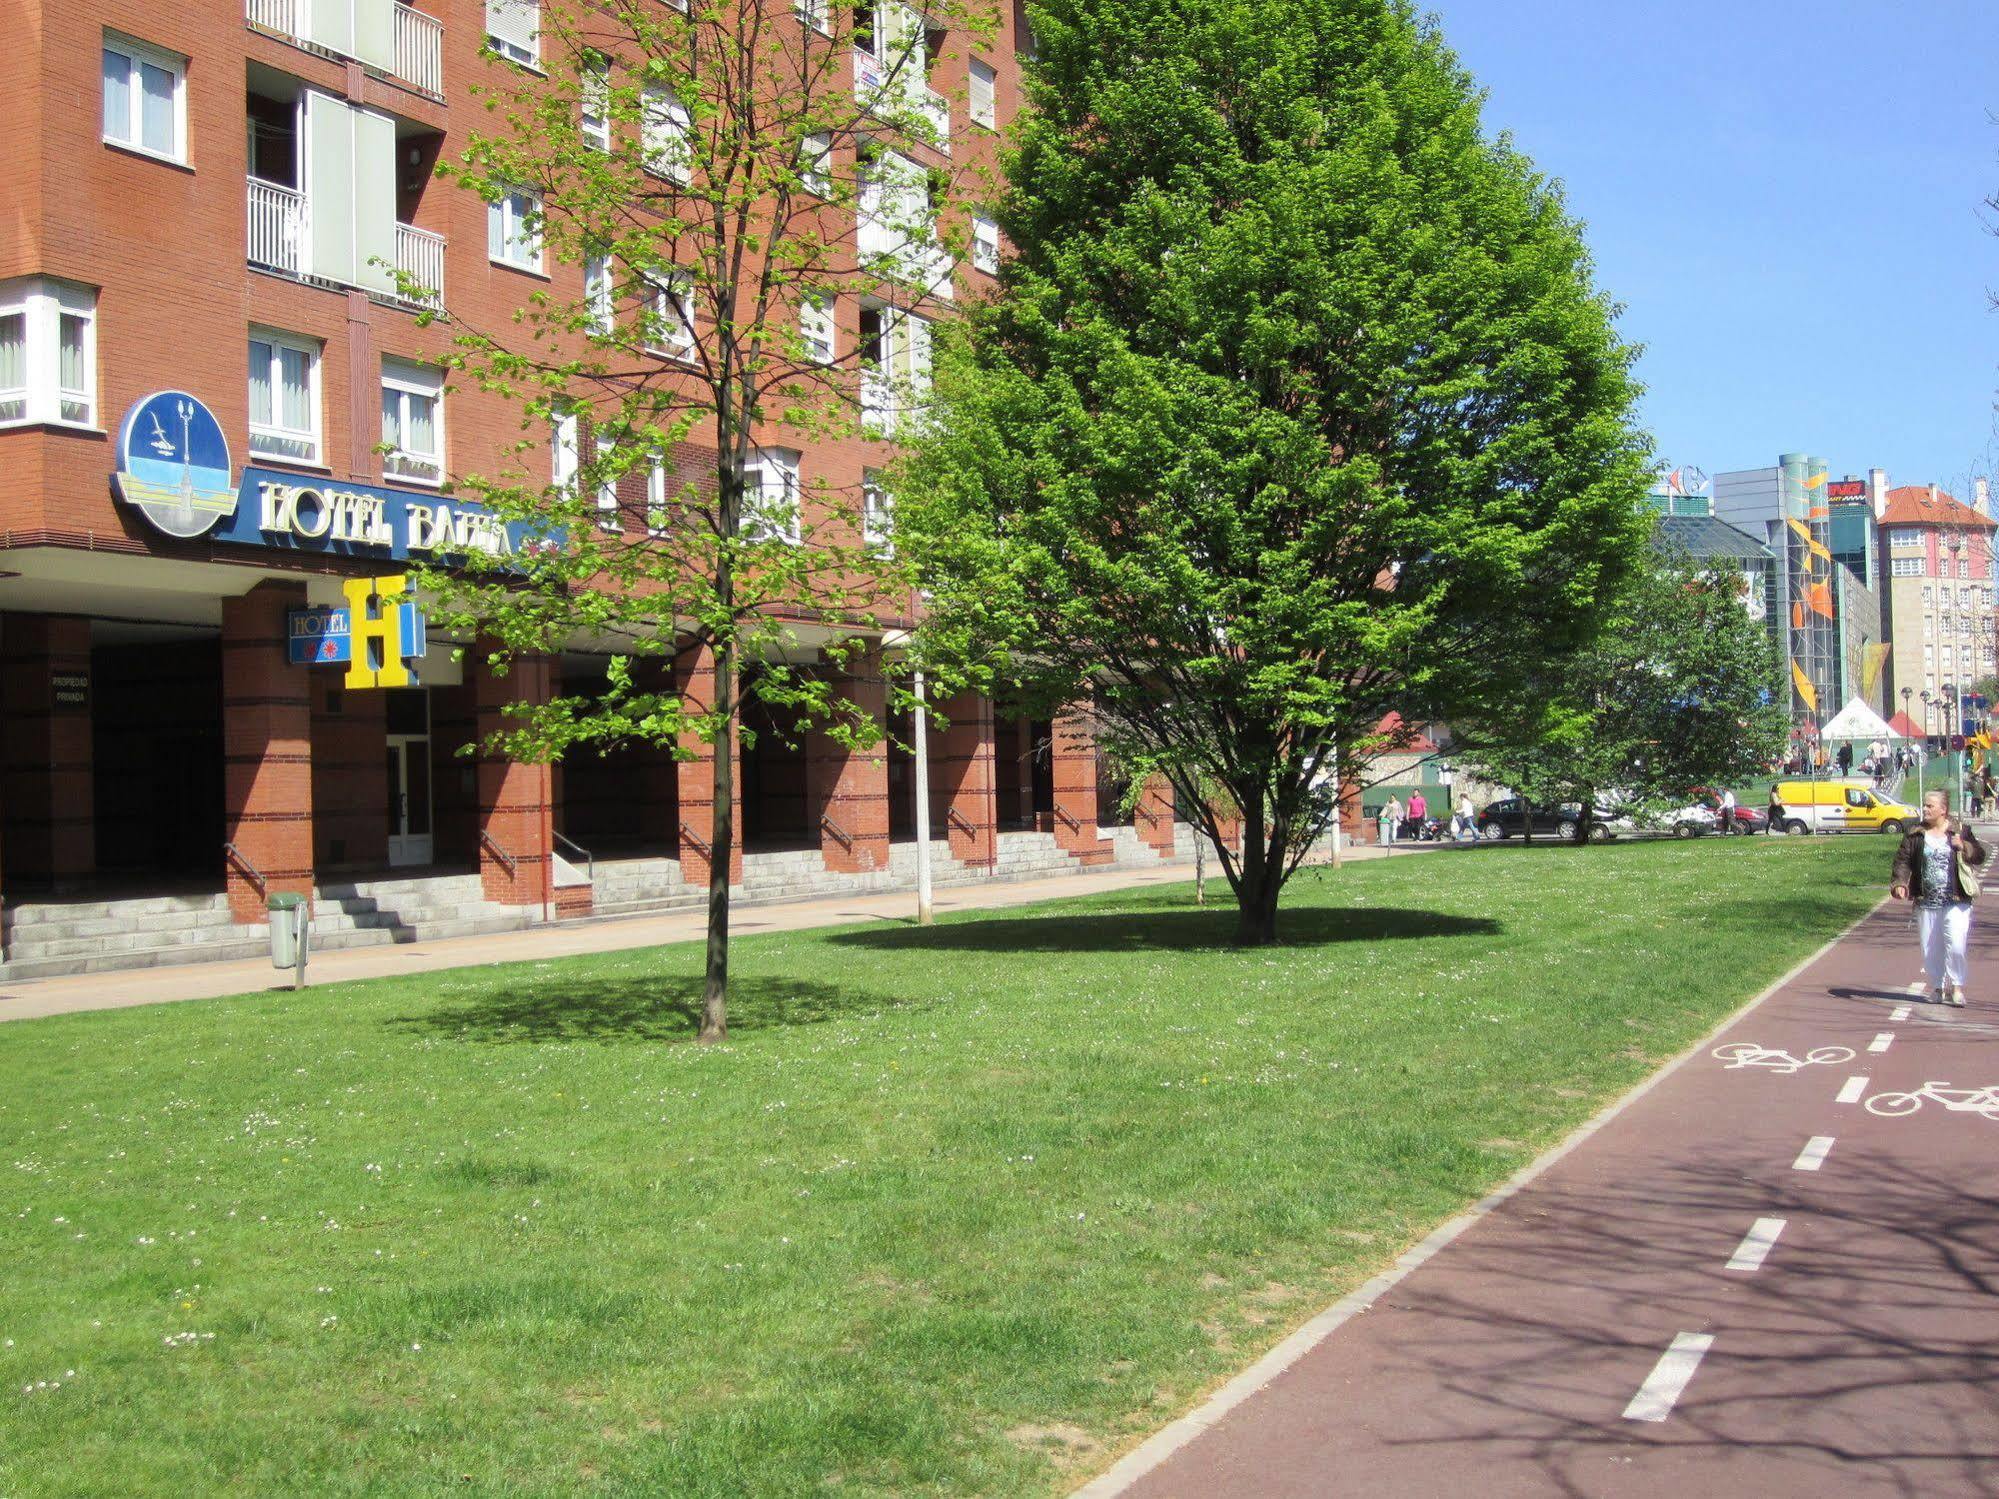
(174, 468)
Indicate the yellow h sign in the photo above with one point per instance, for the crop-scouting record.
(377, 624)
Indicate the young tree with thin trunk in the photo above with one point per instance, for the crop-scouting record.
(729, 190)
(1296, 406)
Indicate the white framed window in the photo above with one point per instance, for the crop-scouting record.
(895, 367)
(595, 89)
(1964, 567)
(770, 496)
(564, 450)
(1905, 567)
(656, 517)
(513, 229)
(284, 397)
(818, 327)
(1906, 536)
(48, 352)
(815, 163)
(606, 462)
(412, 422)
(600, 293)
(877, 514)
(145, 97)
(982, 97)
(816, 14)
(669, 317)
(514, 29)
(1929, 595)
(985, 245)
(666, 135)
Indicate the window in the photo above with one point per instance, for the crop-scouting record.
(814, 13)
(656, 497)
(815, 163)
(877, 514)
(1964, 567)
(1928, 596)
(669, 317)
(895, 367)
(1905, 567)
(564, 450)
(898, 223)
(145, 97)
(1905, 536)
(770, 496)
(513, 27)
(284, 397)
(513, 229)
(412, 422)
(818, 328)
(666, 132)
(599, 293)
(981, 103)
(48, 352)
(595, 86)
(985, 245)
(607, 486)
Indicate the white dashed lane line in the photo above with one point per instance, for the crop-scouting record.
(1758, 1242)
(1668, 1380)
(1813, 1155)
(1882, 1042)
(1900, 1012)
(1854, 1090)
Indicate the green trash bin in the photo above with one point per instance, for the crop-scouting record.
(290, 918)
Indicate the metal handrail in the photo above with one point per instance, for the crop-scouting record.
(695, 838)
(1074, 825)
(491, 845)
(589, 861)
(839, 833)
(958, 820)
(248, 870)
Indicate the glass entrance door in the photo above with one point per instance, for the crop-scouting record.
(409, 799)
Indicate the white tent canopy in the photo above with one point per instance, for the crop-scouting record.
(1858, 721)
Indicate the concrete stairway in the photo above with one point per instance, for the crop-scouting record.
(416, 908)
(48, 938)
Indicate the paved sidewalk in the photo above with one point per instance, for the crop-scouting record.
(35, 998)
(1776, 1272)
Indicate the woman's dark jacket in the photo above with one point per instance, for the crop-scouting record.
(1908, 873)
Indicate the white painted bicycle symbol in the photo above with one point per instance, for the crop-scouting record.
(1958, 1100)
(1740, 1054)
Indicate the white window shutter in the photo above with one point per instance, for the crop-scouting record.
(330, 23)
(329, 187)
(918, 346)
(374, 214)
(374, 31)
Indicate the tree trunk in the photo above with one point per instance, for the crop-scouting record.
(1257, 891)
(721, 853)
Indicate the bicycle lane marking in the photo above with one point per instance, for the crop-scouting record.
(1669, 1377)
(1756, 1244)
(1813, 1155)
(1853, 1090)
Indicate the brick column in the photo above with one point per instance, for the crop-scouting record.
(695, 834)
(266, 751)
(850, 787)
(1154, 816)
(964, 773)
(515, 811)
(51, 829)
(1075, 764)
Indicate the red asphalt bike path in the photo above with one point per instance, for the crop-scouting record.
(1861, 1357)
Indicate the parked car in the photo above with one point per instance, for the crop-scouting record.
(1703, 813)
(1508, 819)
(1843, 806)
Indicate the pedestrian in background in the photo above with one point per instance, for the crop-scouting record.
(1391, 821)
(1775, 812)
(1418, 810)
(1725, 819)
(1937, 867)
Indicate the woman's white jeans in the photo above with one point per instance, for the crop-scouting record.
(1944, 931)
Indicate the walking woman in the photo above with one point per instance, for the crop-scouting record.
(1938, 866)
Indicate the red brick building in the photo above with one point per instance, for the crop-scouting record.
(192, 207)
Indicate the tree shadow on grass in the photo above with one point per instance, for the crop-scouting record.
(1210, 930)
(650, 1008)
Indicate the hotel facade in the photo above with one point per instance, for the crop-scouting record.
(221, 415)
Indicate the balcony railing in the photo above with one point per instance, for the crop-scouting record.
(872, 86)
(419, 38)
(277, 227)
(420, 258)
(420, 49)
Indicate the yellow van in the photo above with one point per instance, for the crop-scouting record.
(1842, 806)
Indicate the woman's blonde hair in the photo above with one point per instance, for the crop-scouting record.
(1940, 794)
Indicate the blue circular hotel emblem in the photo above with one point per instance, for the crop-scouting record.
(173, 464)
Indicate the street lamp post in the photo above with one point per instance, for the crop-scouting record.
(1923, 756)
(1907, 692)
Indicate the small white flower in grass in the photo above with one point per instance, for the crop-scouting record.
(416, 1348)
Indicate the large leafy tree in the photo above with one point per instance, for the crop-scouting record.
(730, 177)
(1681, 689)
(1297, 405)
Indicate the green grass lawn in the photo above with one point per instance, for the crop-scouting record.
(956, 1211)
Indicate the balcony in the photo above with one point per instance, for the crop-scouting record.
(412, 51)
(874, 88)
(420, 258)
(278, 227)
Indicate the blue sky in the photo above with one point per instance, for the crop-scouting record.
(1785, 196)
